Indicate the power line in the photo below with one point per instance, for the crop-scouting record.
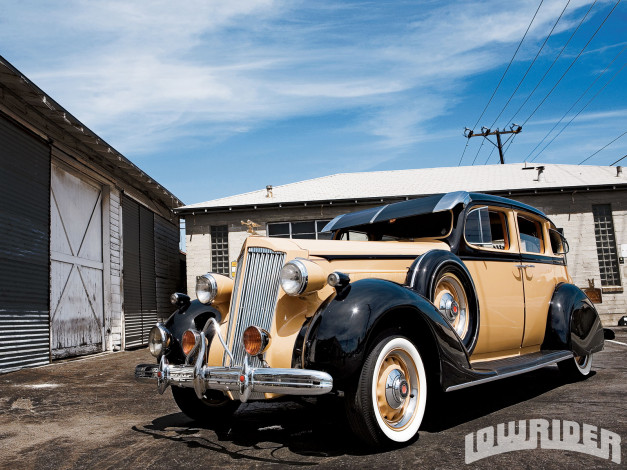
(486, 160)
(552, 64)
(501, 80)
(572, 63)
(578, 113)
(575, 103)
(465, 147)
(508, 65)
(480, 147)
(618, 160)
(531, 65)
(606, 145)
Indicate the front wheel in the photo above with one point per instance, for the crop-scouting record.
(213, 407)
(390, 399)
(577, 368)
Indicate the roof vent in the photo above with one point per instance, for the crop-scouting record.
(540, 173)
(619, 171)
(269, 190)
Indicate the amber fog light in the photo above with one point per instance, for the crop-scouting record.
(256, 340)
(188, 341)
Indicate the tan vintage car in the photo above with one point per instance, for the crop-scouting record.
(438, 294)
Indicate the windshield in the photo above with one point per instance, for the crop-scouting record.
(433, 225)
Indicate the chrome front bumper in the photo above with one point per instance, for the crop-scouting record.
(244, 379)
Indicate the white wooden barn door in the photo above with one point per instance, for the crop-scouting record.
(76, 290)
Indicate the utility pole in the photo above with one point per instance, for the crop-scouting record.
(485, 132)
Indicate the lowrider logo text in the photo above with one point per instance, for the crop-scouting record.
(543, 434)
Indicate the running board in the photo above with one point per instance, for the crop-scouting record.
(489, 371)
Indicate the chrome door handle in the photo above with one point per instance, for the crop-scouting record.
(523, 266)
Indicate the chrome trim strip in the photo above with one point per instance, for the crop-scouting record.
(497, 376)
(378, 212)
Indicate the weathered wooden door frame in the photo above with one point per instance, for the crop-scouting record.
(66, 163)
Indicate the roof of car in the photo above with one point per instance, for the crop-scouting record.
(425, 205)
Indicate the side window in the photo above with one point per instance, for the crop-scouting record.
(530, 235)
(487, 228)
(557, 242)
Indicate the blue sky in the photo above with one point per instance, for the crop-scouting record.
(214, 98)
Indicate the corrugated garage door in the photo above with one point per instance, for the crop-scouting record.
(138, 268)
(167, 264)
(76, 268)
(24, 248)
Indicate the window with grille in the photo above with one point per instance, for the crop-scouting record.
(606, 245)
(308, 229)
(220, 249)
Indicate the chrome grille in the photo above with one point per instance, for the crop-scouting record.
(259, 294)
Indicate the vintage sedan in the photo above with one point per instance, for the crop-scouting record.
(409, 299)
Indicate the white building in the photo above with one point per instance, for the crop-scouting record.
(88, 242)
(588, 202)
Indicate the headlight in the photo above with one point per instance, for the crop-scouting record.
(206, 288)
(158, 340)
(301, 277)
(212, 287)
(294, 277)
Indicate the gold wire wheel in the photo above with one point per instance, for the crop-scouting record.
(397, 389)
(450, 298)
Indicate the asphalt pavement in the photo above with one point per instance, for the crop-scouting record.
(91, 413)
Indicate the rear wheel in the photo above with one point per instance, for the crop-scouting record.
(390, 399)
(213, 406)
(452, 293)
(577, 368)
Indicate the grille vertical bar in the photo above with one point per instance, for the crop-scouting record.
(259, 296)
(238, 275)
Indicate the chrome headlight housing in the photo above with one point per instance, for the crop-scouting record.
(159, 340)
(294, 277)
(206, 288)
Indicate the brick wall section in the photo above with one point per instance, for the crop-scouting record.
(570, 210)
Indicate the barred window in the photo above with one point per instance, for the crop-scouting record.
(220, 249)
(606, 245)
(307, 229)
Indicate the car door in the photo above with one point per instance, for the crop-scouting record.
(491, 255)
(538, 273)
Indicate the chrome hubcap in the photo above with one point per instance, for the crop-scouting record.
(396, 389)
(449, 307)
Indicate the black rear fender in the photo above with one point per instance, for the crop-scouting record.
(573, 323)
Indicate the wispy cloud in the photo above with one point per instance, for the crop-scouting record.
(149, 72)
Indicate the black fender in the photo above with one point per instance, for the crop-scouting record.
(191, 316)
(573, 323)
(340, 334)
(422, 275)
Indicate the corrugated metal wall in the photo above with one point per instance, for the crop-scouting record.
(24, 248)
(150, 269)
(167, 267)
